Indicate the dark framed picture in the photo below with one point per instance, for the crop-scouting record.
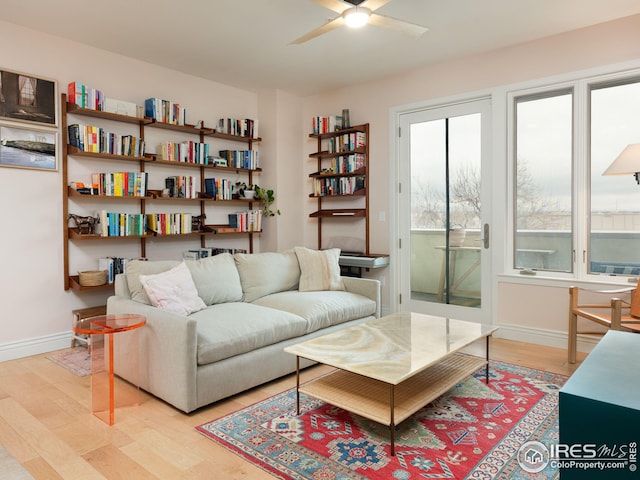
(28, 148)
(26, 98)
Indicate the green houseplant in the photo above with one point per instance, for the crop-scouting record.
(264, 195)
(267, 197)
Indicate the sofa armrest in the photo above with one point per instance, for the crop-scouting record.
(367, 287)
(167, 352)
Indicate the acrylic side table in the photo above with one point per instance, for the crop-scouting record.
(102, 329)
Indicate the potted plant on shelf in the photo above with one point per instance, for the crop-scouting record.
(254, 191)
(267, 197)
(245, 191)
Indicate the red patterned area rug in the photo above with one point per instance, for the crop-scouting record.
(473, 431)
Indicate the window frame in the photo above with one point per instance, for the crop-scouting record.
(581, 171)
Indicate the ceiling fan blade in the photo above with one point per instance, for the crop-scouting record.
(374, 4)
(327, 27)
(407, 28)
(337, 6)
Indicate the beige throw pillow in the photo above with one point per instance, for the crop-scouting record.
(173, 290)
(319, 269)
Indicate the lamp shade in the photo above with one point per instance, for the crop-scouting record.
(627, 162)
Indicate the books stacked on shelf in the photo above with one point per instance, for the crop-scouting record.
(165, 111)
(90, 138)
(347, 142)
(182, 186)
(197, 253)
(348, 163)
(328, 124)
(115, 224)
(169, 223)
(113, 266)
(219, 188)
(247, 221)
(338, 185)
(233, 126)
(186, 152)
(218, 251)
(85, 96)
(241, 158)
(84, 188)
(121, 184)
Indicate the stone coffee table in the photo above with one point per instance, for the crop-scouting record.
(390, 367)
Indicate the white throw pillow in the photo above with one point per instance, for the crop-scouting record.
(173, 290)
(319, 269)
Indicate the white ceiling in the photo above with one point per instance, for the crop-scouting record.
(247, 42)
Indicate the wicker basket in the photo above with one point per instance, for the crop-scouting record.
(92, 278)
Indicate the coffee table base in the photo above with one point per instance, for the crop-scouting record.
(386, 403)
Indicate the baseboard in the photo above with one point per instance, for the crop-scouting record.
(34, 346)
(549, 338)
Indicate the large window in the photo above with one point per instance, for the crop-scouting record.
(568, 216)
(614, 230)
(543, 165)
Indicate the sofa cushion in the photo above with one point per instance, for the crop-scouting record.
(173, 290)
(135, 268)
(321, 309)
(229, 329)
(267, 272)
(319, 269)
(216, 278)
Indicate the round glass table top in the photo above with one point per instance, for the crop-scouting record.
(111, 323)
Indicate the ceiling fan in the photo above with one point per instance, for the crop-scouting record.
(357, 13)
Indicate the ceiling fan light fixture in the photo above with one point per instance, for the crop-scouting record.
(356, 17)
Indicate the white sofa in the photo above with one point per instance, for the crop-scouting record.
(253, 309)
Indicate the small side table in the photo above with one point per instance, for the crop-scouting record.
(101, 328)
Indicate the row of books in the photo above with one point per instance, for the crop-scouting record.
(347, 142)
(186, 152)
(219, 188)
(348, 163)
(241, 158)
(120, 184)
(169, 223)
(90, 138)
(182, 186)
(247, 221)
(116, 224)
(337, 185)
(321, 125)
(206, 252)
(113, 266)
(165, 111)
(85, 96)
(242, 127)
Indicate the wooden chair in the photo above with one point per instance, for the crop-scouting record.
(617, 314)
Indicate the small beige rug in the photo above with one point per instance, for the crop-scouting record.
(10, 468)
(77, 360)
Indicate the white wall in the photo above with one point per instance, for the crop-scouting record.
(35, 311)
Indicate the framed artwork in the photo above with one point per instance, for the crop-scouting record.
(26, 98)
(28, 148)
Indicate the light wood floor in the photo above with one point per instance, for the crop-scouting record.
(45, 423)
